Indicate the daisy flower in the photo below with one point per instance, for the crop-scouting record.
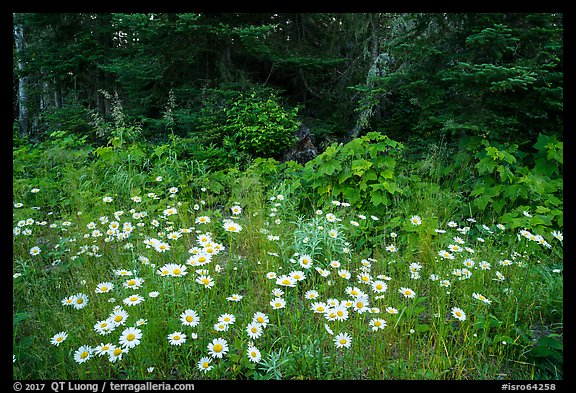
(345, 274)
(298, 275)
(271, 275)
(354, 291)
(133, 300)
(361, 304)
(207, 281)
(445, 254)
(254, 354)
(416, 220)
(107, 199)
(319, 307)
(343, 340)
(133, 283)
(220, 327)
(391, 310)
(377, 323)
(177, 270)
(231, 226)
(59, 338)
(118, 316)
(254, 330)
(218, 348)
(278, 303)
(330, 217)
(260, 318)
(103, 349)
(277, 292)
(407, 292)
(83, 354)
(481, 297)
(305, 261)
(104, 327)
(236, 210)
(228, 319)
(484, 265)
(458, 313)
(122, 272)
(176, 338)
(558, 235)
(130, 337)
(202, 220)
(80, 301)
(116, 353)
(379, 286)
(35, 250)
(322, 272)
(204, 364)
(286, 281)
(341, 312)
(391, 248)
(335, 264)
(311, 294)
(68, 301)
(234, 297)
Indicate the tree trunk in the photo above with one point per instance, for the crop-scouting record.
(373, 48)
(23, 80)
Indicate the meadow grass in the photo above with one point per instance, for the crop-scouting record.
(338, 296)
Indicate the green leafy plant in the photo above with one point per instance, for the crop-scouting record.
(260, 127)
(362, 172)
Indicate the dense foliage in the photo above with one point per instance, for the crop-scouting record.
(420, 239)
(413, 75)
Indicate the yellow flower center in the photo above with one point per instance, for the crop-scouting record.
(342, 341)
(260, 319)
(218, 348)
(340, 313)
(104, 289)
(131, 282)
(130, 337)
(360, 305)
(79, 300)
(286, 281)
(205, 281)
(189, 318)
(205, 365)
(176, 271)
(60, 339)
(117, 351)
(177, 338)
(84, 355)
(117, 318)
(202, 259)
(254, 330)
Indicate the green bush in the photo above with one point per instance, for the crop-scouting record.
(260, 127)
(362, 172)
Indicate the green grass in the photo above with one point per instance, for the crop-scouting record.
(518, 335)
